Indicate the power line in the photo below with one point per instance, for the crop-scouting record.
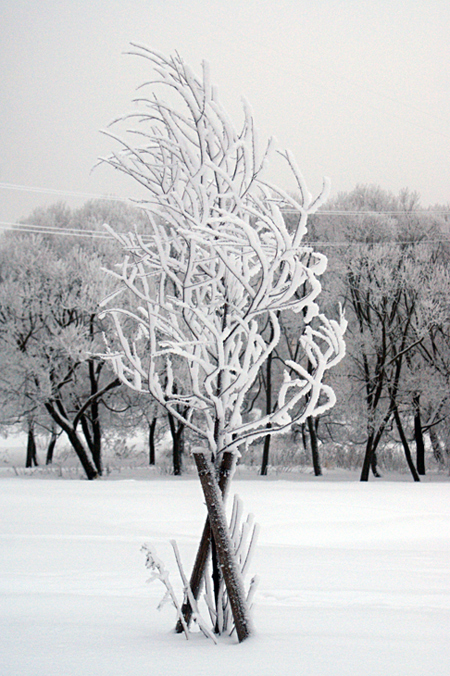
(325, 212)
(362, 212)
(389, 243)
(52, 230)
(53, 191)
(78, 232)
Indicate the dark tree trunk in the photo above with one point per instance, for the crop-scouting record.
(373, 439)
(177, 432)
(96, 448)
(92, 429)
(224, 546)
(314, 446)
(91, 471)
(58, 414)
(367, 458)
(198, 570)
(51, 446)
(374, 464)
(314, 441)
(405, 445)
(266, 451)
(370, 458)
(436, 446)
(304, 441)
(418, 436)
(267, 438)
(74, 439)
(31, 460)
(151, 442)
(86, 431)
(92, 443)
(178, 460)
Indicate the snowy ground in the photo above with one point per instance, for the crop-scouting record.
(354, 579)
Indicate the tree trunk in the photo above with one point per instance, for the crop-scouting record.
(314, 446)
(367, 457)
(51, 446)
(405, 445)
(304, 442)
(370, 458)
(177, 432)
(199, 568)
(92, 441)
(436, 446)
(151, 442)
(96, 449)
(266, 449)
(31, 459)
(74, 439)
(224, 546)
(77, 445)
(374, 464)
(180, 446)
(418, 436)
(96, 437)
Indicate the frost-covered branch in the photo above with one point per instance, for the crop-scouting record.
(216, 261)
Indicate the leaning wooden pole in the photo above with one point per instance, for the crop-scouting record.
(224, 545)
(201, 560)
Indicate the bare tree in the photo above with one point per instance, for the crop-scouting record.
(215, 264)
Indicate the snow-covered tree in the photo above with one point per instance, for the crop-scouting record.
(391, 274)
(49, 333)
(215, 264)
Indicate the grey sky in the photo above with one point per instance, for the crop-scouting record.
(358, 90)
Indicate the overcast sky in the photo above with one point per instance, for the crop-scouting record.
(358, 90)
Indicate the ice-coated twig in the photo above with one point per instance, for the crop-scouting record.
(243, 534)
(250, 549)
(241, 546)
(236, 515)
(253, 586)
(154, 563)
(254, 582)
(196, 616)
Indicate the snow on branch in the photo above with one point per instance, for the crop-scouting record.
(216, 263)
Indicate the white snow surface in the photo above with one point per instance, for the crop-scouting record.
(354, 579)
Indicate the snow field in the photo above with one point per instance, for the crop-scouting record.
(353, 579)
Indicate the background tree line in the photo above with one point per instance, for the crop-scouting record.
(387, 266)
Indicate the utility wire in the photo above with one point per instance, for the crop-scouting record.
(52, 230)
(325, 212)
(53, 191)
(78, 232)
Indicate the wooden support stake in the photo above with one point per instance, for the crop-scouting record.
(224, 546)
(201, 560)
